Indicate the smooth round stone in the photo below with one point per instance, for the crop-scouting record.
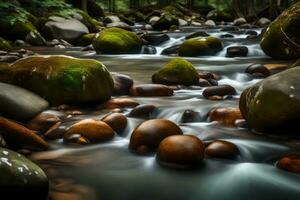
(142, 111)
(225, 116)
(150, 90)
(147, 136)
(116, 121)
(190, 116)
(121, 103)
(57, 131)
(227, 36)
(204, 83)
(43, 122)
(89, 131)
(221, 90)
(257, 69)
(21, 178)
(208, 75)
(122, 84)
(18, 136)
(290, 163)
(197, 34)
(222, 149)
(180, 151)
(156, 39)
(237, 51)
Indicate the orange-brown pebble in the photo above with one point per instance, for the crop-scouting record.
(225, 116)
(147, 136)
(89, 131)
(121, 103)
(290, 163)
(142, 111)
(116, 121)
(180, 151)
(222, 149)
(43, 122)
(149, 90)
(18, 136)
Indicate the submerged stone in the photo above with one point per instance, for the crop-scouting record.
(222, 149)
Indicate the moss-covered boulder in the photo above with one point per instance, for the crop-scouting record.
(282, 38)
(5, 45)
(218, 15)
(177, 72)
(86, 39)
(117, 41)
(62, 79)
(21, 178)
(165, 22)
(200, 46)
(273, 105)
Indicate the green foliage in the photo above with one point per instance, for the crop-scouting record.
(12, 13)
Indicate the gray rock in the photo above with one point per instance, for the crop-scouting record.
(20, 104)
(8, 58)
(182, 22)
(111, 19)
(239, 21)
(34, 38)
(263, 22)
(210, 23)
(66, 29)
(21, 178)
(122, 25)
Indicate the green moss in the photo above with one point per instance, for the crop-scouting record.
(117, 41)
(281, 40)
(62, 79)
(200, 46)
(86, 39)
(5, 45)
(91, 23)
(177, 72)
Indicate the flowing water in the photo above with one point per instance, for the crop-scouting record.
(110, 171)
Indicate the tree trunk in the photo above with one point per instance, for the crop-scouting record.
(84, 5)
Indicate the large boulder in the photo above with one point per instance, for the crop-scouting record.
(165, 22)
(282, 38)
(177, 72)
(117, 41)
(61, 79)
(200, 46)
(273, 105)
(20, 104)
(21, 178)
(68, 29)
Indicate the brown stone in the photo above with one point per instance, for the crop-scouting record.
(18, 136)
(43, 122)
(180, 151)
(221, 90)
(55, 132)
(142, 111)
(190, 116)
(150, 90)
(147, 136)
(122, 84)
(120, 103)
(116, 121)
(225, 116)
(89, 131)
(290, 163)
(222, 149)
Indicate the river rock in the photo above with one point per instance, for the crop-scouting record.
(263, 22)
(221, 90)
(273, 105)
(190, 116)
(68, 29)
(176, 72)
(201, 46)
(142, 111)
(165, 22)
(89, 131)
(18, 136)
(257, 69)
(219, 16)
(43, 122)
(239, 21)
(210, 23)
(180, 151)
(281, 40)
(117, 41)
(62, 79)
(222, 149)
(290, 163)
(116, 121)
(122, 84)
(23, 108)
(156, 39)
(197, 34)
(86, 39)
(151, 90)
(121, 25)
(120, 103)
(146, 137)
(226, 116)
(237, 51)
(111, 19)
(21, 178)
(171, 50)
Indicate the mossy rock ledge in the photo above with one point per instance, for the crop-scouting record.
(273, 105)
(117, 41)
(282, 38)
(177, 72)
(61, 79)
(200, 46)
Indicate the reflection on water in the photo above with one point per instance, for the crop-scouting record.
(110, 171)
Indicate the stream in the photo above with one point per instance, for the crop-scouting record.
(110, 171)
